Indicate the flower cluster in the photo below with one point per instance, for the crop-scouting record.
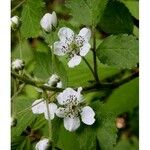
(71, 109)
(74, 46)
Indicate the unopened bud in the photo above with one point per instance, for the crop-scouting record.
(14, 22)
(49, 21)
(43, 144)
(18, 64)
(13, 122)
(120, 123)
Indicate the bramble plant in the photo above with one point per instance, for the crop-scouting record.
(74, 75)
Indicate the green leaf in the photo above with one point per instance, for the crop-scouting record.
(86, 12)
(43, 65)
(120, 51)
(31, 16)
(116, 19)
(123, 99)
(127, 144)
(133, 7)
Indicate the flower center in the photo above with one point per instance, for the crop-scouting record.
(72, 108)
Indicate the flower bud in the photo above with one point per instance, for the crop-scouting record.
(54, 19)
(120, 123)
(54, 81)
(42, 144)
(13, 122)
(17, 64)
(14, 22)
(49, 21)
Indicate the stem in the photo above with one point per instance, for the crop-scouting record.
(89, 66)
(97, 86)
(49, 122)
(28, 108)
(18, 92)
(20, 44)
(16, 7)
(94, 55)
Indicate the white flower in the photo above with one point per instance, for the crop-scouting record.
(54, 81)
(14, 22)
(42, 144)
(75, 46)
(17, 64)
(48, 21)
(39, 107)
(72, 109)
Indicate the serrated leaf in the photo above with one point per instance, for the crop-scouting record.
(31, 15)
(86, 12)
(43, 65)
(120, 51)
(116, 19)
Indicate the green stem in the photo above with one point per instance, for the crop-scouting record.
(18, 92)
(97, 86)
(49, 122)
(94, 55)
(28, 108)
(89, 66)
(20, 44)
(16, 7)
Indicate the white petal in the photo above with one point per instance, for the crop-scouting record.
(46, 22)
(60, 48)
(63, 97)
(85, 49)
(85, 33)
(87, 115)
(52, 110)
(38, 106)
(42, 144)
(74, 61)
(59, 85)
(66, 35)
(15, 20)
(53, 80)
(60, 112)
(54, 19)
(71, 124)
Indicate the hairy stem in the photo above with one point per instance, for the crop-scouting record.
(16, 7)
(97, 86)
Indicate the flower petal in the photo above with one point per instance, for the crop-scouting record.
(60, 48)
(42, 144)
(63, 97)
(52, 110)
(66, 35)
(85, 33)
(74, 61)
(54, 19)
(60, 112)
(59, 84)
(71, 124)
(85, 49)
(46, 22)
(87, 115)
(38, 106)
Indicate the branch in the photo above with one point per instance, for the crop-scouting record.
(95, 87)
